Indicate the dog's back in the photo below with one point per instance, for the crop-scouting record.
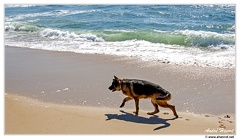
(142, 87)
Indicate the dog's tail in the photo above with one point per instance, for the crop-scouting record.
(165, 97)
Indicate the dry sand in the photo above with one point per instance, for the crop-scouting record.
(29, 116)
(66, 93)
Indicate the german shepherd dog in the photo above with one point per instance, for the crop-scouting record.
(137, 89)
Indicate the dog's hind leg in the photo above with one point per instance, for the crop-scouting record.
(166, 105)
(155, 107)
(125, 100)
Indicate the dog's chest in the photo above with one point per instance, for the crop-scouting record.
(127, 93)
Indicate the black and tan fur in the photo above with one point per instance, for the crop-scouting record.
(137, 89)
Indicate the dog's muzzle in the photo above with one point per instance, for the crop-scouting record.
(112, 88)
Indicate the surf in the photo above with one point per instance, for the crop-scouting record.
(178, 37)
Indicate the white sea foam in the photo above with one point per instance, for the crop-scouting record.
(19, 5)
(144, 50)
(55, 13)
(20, 26)
(204, 34)
(65, 35)
(221, 55)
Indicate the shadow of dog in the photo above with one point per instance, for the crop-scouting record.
(128, 117)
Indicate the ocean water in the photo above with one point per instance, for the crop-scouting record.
(200, 35)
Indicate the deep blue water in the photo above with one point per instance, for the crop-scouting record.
(202, 35)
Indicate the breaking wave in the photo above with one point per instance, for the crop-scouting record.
(179, 37)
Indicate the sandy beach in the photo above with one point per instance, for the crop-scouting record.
(28, 116)
(66, 93)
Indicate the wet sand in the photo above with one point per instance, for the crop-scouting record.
(81, 80)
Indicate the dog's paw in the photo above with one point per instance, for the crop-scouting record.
(136, 113)
(122, 105)
(150, 113)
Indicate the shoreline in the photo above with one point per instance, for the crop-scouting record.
(22, 116)
(83, 79)
(73, 86)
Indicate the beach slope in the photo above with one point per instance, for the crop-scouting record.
(28, 116)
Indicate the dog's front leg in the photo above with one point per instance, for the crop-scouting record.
(137, 105)
(125, 100)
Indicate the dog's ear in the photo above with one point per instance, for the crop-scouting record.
(115, 77)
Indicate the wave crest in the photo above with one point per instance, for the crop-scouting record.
(19, 26)
(187, 38)
(65, 35)
(181, 37)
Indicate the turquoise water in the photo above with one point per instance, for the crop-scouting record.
(202, 35)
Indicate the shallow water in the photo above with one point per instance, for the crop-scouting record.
(201, 35)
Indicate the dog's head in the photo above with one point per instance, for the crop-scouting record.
(116, 84)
